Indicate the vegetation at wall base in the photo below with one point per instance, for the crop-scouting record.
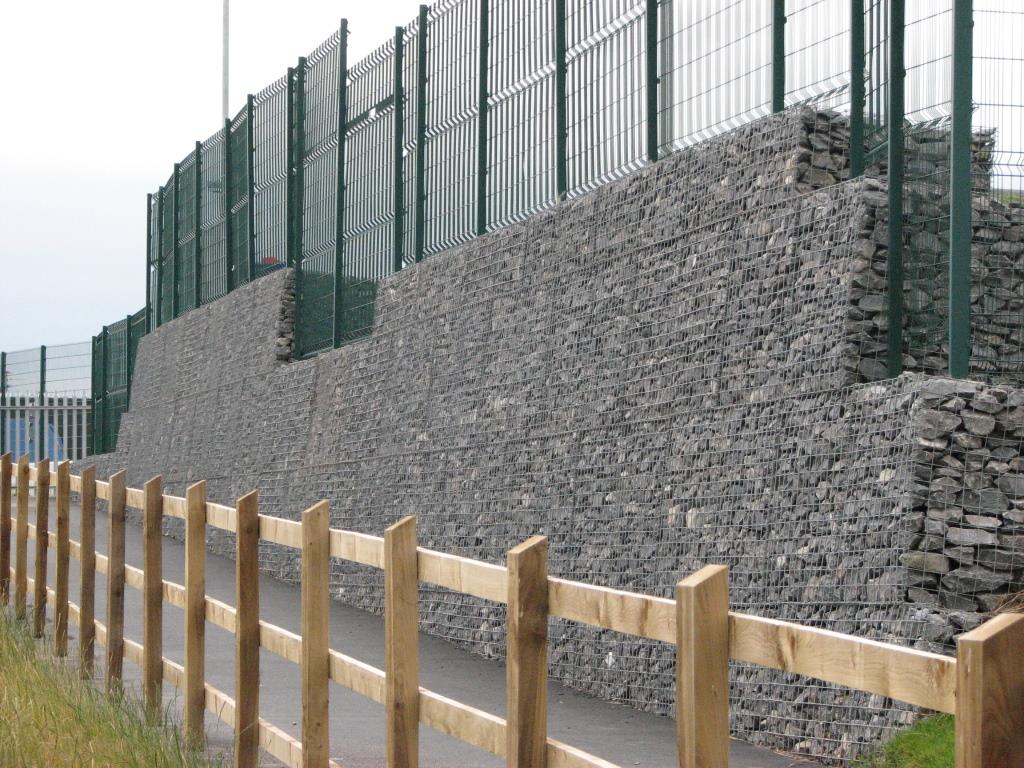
(52, 718)
(928, 744)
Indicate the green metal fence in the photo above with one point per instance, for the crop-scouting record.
(480, 112)
(113, 364)
(45, 402)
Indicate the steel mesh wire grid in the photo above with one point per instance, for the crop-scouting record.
(238, 200)
(450, 167)
(369, 189)
(186, 250)
(818, 53)
(876, 70)
(997, 311)
(928, 104)
(271, 171)
(717, 68)
(213, 236)
(408, 143)
(605, 90)
(521, 106)
(315, 277)
(167, 250)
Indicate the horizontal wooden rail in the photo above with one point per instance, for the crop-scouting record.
(904, 674)
(908, 675)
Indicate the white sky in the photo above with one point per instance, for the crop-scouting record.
(99, 99)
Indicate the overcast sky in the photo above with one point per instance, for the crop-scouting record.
(99, 100)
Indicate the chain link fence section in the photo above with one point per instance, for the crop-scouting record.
(45, 402)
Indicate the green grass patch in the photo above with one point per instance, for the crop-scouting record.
(928, 744)
(52, 719)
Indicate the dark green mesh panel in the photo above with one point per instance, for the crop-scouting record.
(213, 245)
(315, 326)
(450, 176)
(238, 200)
(186, 215)
(271, 176)
(369, 197)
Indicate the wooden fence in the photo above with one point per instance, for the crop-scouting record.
(983, 686)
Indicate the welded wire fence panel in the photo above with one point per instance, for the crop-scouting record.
(239, 203)
(521, 137)
(876, 77)
(717, 68)
(167, 250)
(45, 404)
(605, 90)
(369, 183)
(818, 52)
(450, 167)
(315, 277)
(153, 258)
(213, 239)
(185, 285)
(997, 312)
(409, 139)
(928, 103)
(271, 166)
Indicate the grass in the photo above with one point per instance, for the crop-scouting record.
(52, 719)
(928, 744)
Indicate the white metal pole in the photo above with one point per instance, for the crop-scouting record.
(225, 64)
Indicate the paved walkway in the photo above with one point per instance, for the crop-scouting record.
(614, 732)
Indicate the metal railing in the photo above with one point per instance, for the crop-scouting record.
(481, 112)
(46, 403)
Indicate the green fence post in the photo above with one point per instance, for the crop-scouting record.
(160, 202)
(289, 153)
(561, 129)
(399, 138)
(960, 192)
(175, 267)
(93, 400)
(105, 388)
(421, 132)
(148, 261)
(40, 425)
(250, 181)
(197, 240)
(339, 211)
(483, 89)
(3, 402)
(127, 360)
(778, 55)
(299, 147)
(856, 88)
(229, 232)
(895, 162)
(652, 82)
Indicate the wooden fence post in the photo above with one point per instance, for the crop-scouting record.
(42, 546)
(527, 655)
(702, 668)
(87, 578)
(247, 632)
(990, 695)
(115, 581)
(21, 542)
(60, 613)
(315, 638)
(401, 644)
(5, 528)
(195, 611)
(152, 595)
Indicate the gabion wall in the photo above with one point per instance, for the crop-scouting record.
(665, 373)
